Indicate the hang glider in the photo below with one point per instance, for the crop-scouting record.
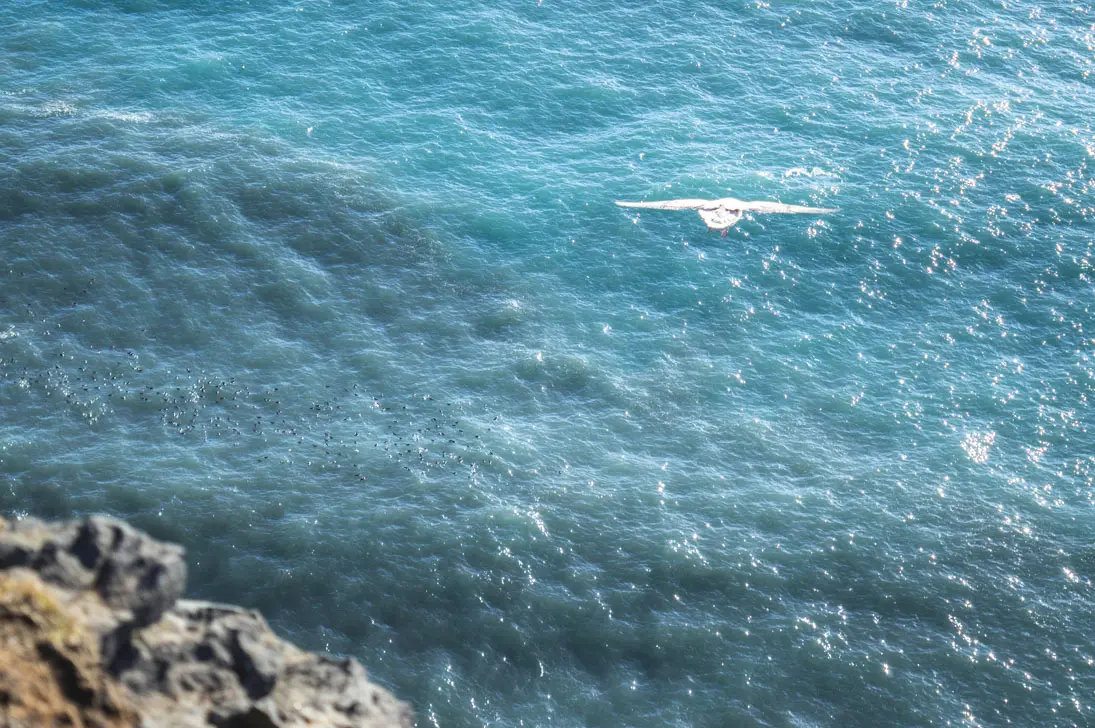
(723, 213)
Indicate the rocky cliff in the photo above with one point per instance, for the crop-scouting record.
(93, 632)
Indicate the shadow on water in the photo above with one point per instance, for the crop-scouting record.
(168, 297)
(305, 237)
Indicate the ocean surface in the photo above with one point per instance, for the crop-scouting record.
(335, 294)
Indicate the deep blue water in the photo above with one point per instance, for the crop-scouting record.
(336, 295)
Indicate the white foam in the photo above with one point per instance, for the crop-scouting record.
(138, 117)
(56, 108)
(813, 172)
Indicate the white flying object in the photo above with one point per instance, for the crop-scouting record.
(722, 214)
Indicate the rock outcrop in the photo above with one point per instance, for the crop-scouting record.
(93, 632)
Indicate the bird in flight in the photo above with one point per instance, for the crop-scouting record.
(723, 213)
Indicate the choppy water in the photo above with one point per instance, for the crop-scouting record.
(334, 293)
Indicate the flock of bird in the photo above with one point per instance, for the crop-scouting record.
(345, 429)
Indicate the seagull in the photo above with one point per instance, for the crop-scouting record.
(721, 214)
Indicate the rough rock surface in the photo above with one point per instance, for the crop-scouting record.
(93, 633)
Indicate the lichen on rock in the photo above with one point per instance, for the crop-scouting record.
(93, 633)
(50, 666)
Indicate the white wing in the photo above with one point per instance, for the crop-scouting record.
(668, 204)
(763, 206)
(726, 203)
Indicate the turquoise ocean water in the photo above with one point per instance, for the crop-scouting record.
(335, 294)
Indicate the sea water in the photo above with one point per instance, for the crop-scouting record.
(335, 294)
